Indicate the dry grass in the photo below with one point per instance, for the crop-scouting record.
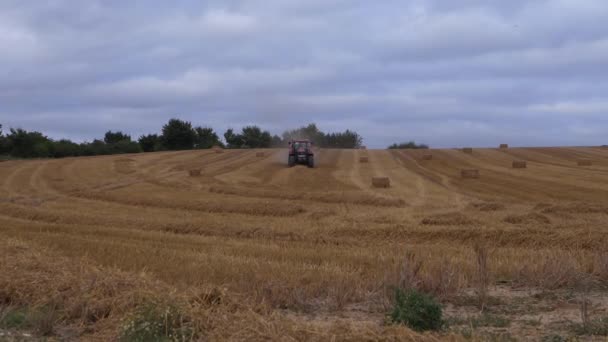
(427, 157)
(482, 278)
(81, 301)
(363, 159)
(294, 253)
(530, 218)
(447, 219)
(488, 206)
(584, 162)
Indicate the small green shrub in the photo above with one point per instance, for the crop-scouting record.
(553, 338)
(416, 310)
(43, 320)
(596, 327)
(12, 318)
(152, 322)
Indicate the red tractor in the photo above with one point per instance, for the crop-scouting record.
(300, 152)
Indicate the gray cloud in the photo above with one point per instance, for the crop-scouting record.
(476, 73)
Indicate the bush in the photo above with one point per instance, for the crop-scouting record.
(346, 139)
(158, 322)
(178, 135)
(408, 145)
(124, 146)
(250, 137)
(149, 143)
(64, 148)
(416, 310)
(12, 318)
(597, 327)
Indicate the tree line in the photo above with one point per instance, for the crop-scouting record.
(409, 145)
(176, 134)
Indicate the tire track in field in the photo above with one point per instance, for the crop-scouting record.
(502, 182)
(549, 178)
(433, 187)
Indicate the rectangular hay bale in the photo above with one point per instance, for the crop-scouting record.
(585, 162)
(259, 154)
(504, 146)
(520, 164)
(468, 150)
(194, 172)
(363, 159)
(381, 182)
(427, 157)
(471, 173)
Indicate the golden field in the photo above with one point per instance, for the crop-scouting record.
(253, 250)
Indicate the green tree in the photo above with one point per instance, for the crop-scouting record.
(309, 132)
(178, 135)
(24, 144)
(254, 137)
(410, 144)
(64, 148)
(95, 148)
(233, 140)
(250, 137)
(124, 146)
(206, 137)
(115, 137)
(150, 142)
(3, 143)
(277, 141)
(346, 139)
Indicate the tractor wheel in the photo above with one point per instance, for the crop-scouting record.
(311, 161)
(292, 161)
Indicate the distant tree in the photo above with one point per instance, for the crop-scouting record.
(124, 146)
(64, 148)
(115, 137)
(149, 143)
(346, 139)
(233, 140)
(310, 132)
(95, 148)
(178, 135)
(3, 143)
(24, 144)
(206, 137)
(250, 137)
(277, 141)
(254, 137)
(408, 145)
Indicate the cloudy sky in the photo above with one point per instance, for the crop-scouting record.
(447, 73)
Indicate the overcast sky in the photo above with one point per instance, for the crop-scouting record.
(446, 73)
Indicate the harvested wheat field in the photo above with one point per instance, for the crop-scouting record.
(251, 250)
